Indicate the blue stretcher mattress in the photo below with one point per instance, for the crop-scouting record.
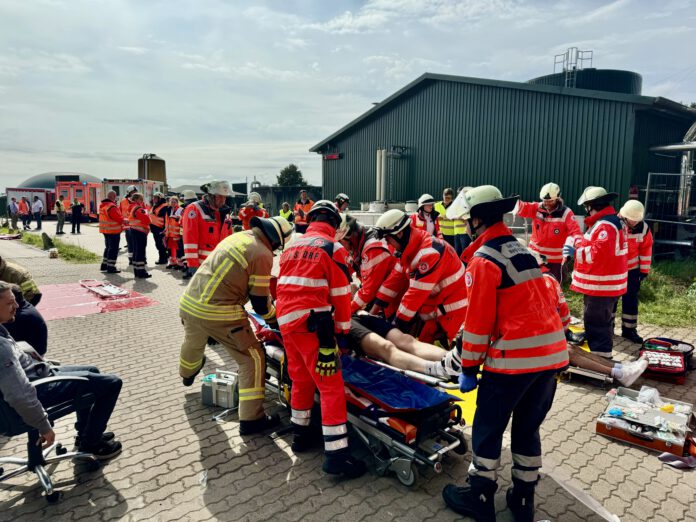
(390, 389)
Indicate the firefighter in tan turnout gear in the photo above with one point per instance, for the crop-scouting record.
(238, 270)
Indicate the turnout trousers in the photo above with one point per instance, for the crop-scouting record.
(599, 323)
(302, 349)
(242, 345)
(111, 242)
(629, 301)
(525, 397)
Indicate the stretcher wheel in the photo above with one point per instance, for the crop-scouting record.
(53, 498)
(408, 477)
(463, 444)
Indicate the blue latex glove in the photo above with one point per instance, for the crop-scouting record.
(467, 383)
(568, 251)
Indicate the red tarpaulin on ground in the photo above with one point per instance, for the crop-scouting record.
(73, 299)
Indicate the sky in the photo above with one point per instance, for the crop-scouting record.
(238, 90)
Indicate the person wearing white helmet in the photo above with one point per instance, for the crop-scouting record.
(640, 244)
(125, 205)
(513, 329)
(158, 214)
(252, 208)
(425, 217)
(205, 223)
(427, 280)
(242, 263)
(553, 226)
(601, 271)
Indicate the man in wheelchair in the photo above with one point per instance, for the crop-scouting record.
(20, 364)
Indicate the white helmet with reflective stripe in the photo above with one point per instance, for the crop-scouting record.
(220, 188)
(550, 191)
(481, 201)
(633, 210)
(392, 222)
(596, 195)
(425, 199)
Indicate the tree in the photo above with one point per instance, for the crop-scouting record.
(291, 176)
(692, 105)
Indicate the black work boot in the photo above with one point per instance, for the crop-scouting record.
(113, 270)
(162, 260)
(632, 335)
(104, 267)
(520, 500)
(306, 438)
(188, 381)
(575, 337)
(343, 463)
(474, 500)
(249, 427)
(141, 273)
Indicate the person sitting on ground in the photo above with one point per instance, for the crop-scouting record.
(626, 373)
(21, 365)
(28, 326)
(16, 274)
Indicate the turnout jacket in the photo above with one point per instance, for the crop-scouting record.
(238, 269)
(550, 230)
(432, 276)
(314, 275)
(18, 275)
(640, 243)
(601, 267)
(203, 229)
(511, 325)
(373, 263)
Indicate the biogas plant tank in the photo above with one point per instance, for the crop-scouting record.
(609, 80)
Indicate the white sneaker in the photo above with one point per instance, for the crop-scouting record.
(631, 371)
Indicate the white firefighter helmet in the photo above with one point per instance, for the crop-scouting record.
(254, 197)
(596, 195)
(425, 199)
(220, 188)
(392, 222)
(550, 191)
(188, 194)
(455, 209)
(482, 201)
(130, 189)
(633, 210)
(158, 195)
(277, 229)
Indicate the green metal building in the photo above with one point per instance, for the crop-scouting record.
(449, 131)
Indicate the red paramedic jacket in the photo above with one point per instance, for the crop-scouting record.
(601, 267)
(640, 243)
(433, 276)
(313, 275)
(203, 228)
(246, 213)
(557, 298)
(511, 324)
(373, 265)
(418, 222)
(550, 230)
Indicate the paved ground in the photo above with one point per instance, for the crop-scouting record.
(178, 465)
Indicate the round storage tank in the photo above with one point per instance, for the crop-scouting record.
(610, 80)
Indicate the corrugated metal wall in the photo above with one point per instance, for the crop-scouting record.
(465, 134)
(651, 130)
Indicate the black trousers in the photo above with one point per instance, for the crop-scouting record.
(29, 326)
(158, 236)
(139, 241)
(111, 242)
(599, 323)
(556, 270)
(75, 221)
(527, 398)
(129, 243)
(629, 301)
(449, 239)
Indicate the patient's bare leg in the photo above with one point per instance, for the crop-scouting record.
(384, 350)
(589, 361)
(410, 344)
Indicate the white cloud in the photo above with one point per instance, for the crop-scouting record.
(133, 50)
(18, 61)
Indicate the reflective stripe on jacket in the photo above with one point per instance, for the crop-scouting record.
(557, 298)
(511, 324)
(172, 222)
(374, 263)
(550, 230)
(640, 243)
(601, 267)
(421, 224)
(138, 219)
(110, 218)
(301, 218)
(246, 213)
(314, 275)
(448, 227)
(157, 220)
(203, 229)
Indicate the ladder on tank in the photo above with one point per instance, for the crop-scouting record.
(571, 62)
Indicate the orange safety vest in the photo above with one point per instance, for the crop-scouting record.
(108, 225)
(301, 219)
(155, 220)
(23, 207)
(138, 220)
(172, 224)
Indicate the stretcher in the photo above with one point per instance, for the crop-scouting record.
(582, 372)
(402, 421)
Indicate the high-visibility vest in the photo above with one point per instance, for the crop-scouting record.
(301, 219)
(285, 213)
(23, 207)
(139, 221)
(108, 225)
(60, 207)
(172, 224)
(155, 219)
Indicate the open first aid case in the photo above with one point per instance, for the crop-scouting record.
(645, 419)
(220, 389)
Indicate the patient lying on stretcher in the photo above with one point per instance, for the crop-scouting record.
(379, 339)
